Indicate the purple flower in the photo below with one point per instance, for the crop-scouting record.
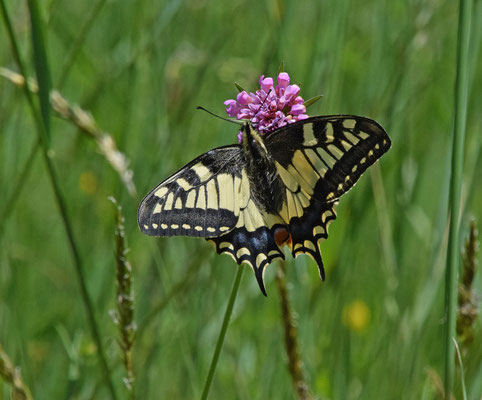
(270, 107)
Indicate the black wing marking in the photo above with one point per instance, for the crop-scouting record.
(319, 159)
(199, 200)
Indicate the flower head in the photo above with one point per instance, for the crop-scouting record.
(270, 107)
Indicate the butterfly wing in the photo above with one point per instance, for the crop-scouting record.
(211, 198)
(199, 200)
(319, 159)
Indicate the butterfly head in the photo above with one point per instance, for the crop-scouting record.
(252, 141)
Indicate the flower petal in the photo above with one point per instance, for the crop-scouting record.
(232, 107)
(299, 100)
(245, 113)
(283, 79)
(266, 83)
(244, 98)
(298, 109)
(292, 91)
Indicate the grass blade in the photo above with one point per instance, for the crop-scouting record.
(79, 41)
(461, 90)
(41, 64)
(462, 377)
(42, 126)
(19, 183)
(176, 289)
(222, 333)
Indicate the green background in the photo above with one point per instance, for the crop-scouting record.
(373, 330)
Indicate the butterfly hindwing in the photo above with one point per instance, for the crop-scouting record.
(252, 240)
(200, 200)
(257, 248)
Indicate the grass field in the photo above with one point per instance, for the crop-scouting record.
(373, 330)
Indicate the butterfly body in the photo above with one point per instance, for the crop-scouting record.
(265, 183)
(282, 187)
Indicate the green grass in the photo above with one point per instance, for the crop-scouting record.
(141, 68)
(453, 253)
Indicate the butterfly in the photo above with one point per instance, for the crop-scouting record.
(281, 188)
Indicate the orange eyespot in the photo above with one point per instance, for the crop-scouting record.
(282, 236)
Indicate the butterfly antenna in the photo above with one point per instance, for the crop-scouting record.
(266, 98)
(264, 101)
(218, 116)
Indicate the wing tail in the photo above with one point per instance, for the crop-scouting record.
(308, 230)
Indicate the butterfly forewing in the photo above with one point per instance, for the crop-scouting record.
(200, 200)
(325, 156)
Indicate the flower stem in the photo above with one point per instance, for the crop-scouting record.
(460, 113)
(222, 333)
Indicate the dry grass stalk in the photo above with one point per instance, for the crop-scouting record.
(295, 364)
(124, 317)
(468, 303)
(11, 375)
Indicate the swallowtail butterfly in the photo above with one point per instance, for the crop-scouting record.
(249, 199)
